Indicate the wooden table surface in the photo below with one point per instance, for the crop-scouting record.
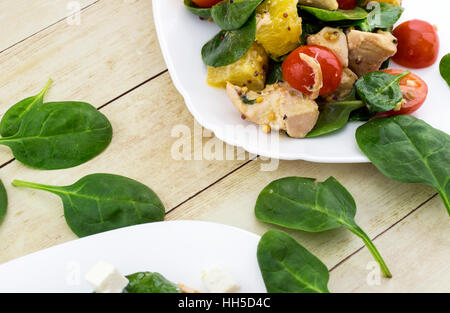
(109, 56)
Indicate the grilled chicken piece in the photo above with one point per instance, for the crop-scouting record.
(334, 39)
(368, 51)
(278, 107)
(321, 4)
(345, 88)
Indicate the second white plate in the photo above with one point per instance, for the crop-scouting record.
(179, 250)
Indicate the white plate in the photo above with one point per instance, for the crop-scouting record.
(179, 250)
(182, 35)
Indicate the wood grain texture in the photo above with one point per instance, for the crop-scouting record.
(113, 50)
(141, 149)
(418, 252)
(381, 202)
(21, 19)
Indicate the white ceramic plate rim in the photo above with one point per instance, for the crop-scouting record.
(11, 280)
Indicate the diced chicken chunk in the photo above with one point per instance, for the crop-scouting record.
(368, 51)
(334, 39)
(279, 107)
(345, 88)
(321, 4)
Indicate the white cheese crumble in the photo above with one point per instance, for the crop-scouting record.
(105, 278)
(218, 280)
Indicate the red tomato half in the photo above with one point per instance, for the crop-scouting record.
(418, 44)
(301, 76)
(414, 90)
(347, 4)
(206, 3)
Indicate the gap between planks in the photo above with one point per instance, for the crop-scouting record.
(49, 26)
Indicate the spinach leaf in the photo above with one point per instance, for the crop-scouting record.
(12, 119)
(247, 100)
(287, 267)
(444, 68)
(302, 204)
(275, 73)
(339, 15)
(361, 115)
(60, 135)
(228, 47)
(195, 9)
(3, 202)
(102, 202)
(380, 91)
(232, 14)
(333, 116)
(147, 282)
(383, 15)
(408, 150)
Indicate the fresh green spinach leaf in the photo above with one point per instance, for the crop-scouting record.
(60, 135)
(3, 202)
(233, 14)
(333, 116)
(12, 119)
(275, 73)
(444, 68)
(103, 202)
(287, 267)
(228, 47)
(147, 282)
(302, 204)
(195, 9)
(383, 15)
(408, 150)
(361, 115)
(339, 15)
(380, 91)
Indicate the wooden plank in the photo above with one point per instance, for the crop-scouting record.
(418, 253)
(143, 122)
(23, 18)
(381, 202)
(113, 50)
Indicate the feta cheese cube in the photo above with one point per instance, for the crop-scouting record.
(218, 280)
(105, 278)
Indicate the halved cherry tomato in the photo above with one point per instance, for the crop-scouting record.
(418, 44)
(301, 76)
(206, 3)
(347, 4)
(414, 90)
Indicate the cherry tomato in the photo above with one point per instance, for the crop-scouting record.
(414, 90)
(301, 76)
(347, 4)
(418, 44)
(206, 3)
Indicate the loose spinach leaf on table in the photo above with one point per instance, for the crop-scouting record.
(380, 91)
(233, 14)
(333, 116)
(408, 150)
(228, 47)
(302, 204)
(59, 135)
(147, 282)
(103, 202)
(339, 15)
(383, 15)
(12, 119)
(287, 267)
(202, 12)
(444, 68)
(3, 202)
